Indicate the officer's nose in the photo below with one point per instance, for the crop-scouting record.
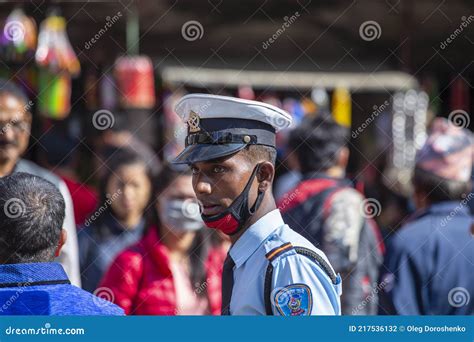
(202, 187)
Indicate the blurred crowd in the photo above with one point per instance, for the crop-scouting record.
(135, 237)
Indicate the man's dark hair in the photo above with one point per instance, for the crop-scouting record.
(438, 189)
(8, 87)
(317, 142)
(31, 217)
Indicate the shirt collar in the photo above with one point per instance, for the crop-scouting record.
(31, 273)
(254, 236)
(460, 208)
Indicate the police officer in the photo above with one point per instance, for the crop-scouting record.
(270, 269)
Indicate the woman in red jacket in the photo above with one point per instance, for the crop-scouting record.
(176, 268)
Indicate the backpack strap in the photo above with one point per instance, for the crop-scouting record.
(275, 253)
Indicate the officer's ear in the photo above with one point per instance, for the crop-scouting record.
(265, 174)
(61, 242)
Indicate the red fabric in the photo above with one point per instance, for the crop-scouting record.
(140, 280)
(327, 205)
(375, 228)
(226, 224)
(84, 199)
(311, 187)
(303, 191)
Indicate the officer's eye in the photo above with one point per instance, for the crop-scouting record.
(218, 169)
(194, 170)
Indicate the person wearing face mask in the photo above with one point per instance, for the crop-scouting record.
(119, 220)
(270, 269)
(176, 268)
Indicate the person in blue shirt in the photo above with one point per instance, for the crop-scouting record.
(429, 269)
(270, 269)
(31, 216)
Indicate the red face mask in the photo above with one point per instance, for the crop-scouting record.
(233, 219)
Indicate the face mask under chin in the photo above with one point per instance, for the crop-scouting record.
(234, 218)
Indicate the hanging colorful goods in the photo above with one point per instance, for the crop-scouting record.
(18, 39)
(135, 81)
(58, 63)
(54, 50)
(54, 94)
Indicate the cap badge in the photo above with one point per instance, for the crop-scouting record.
(193, 122)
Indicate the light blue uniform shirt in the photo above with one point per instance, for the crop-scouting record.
(299, 285)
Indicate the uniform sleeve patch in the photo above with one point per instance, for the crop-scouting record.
(294, 300)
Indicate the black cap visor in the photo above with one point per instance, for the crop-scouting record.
(205, 152)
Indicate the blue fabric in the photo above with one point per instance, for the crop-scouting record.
(44, 289)
(430, 263)
(33, 272)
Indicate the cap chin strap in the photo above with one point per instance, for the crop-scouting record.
(233, 219)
